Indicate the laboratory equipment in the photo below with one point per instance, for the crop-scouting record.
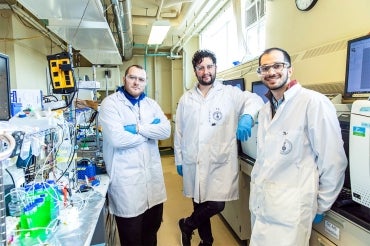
(239, 82)
(9, 145)
(357, 79)
(359, 152)
(249, 147)
(61, 73)
(4, 87)
(260, 89)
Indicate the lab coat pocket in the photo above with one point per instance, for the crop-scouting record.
(219, 153)
(281, 203)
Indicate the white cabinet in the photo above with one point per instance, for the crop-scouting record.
(236, 213)
(318, 239)
(338, 230)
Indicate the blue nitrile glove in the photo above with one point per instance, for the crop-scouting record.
(179, 169)
(156, 121)
(318, 218)
(130, 128)
(244, 127)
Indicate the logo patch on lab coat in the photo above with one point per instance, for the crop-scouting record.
(287, 146)
(217, 115)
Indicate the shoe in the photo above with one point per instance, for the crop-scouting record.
(185, 236)
(204, 244)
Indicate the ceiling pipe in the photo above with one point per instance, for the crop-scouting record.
(193, 18)
(127, 29)
(122, 13)
(215, 10)
(118, 21)
(159, 10)
(199, 18)
(157, 18)
(166, 54)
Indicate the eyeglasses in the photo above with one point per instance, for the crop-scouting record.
(202, 68)
(278, 67)
(134, 78)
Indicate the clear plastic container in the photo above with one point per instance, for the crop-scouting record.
(15, 209)
(17, 200)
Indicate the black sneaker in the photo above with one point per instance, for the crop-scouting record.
(204, 244)
(185, 236)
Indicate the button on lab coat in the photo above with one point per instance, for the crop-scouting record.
(132, 160)
(205, 140)
(299, 169)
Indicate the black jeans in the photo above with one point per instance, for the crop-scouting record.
(201, 218)
(140, 230)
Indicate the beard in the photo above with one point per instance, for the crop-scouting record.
(202, 82)
(285, 80)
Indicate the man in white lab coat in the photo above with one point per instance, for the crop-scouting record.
(300, 165)
(209, 118)
(132, 125)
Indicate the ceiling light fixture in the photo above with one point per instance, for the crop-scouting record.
(158, 32)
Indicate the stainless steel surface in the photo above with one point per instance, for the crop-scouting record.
(78, 222)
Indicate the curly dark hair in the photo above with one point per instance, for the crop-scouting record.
(200, 55)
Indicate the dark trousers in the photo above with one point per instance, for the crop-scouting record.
(201, 218)
(140, 230)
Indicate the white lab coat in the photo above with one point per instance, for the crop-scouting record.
(205, 140)
(132, 160)
(299, 169)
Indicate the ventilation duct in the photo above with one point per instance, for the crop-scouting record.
(123, 19)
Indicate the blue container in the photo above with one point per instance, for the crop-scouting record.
(15, 108)
(85, 169)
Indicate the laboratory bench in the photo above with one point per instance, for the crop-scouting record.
(79, 225)
(347, 223)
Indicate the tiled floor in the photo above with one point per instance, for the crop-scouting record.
(178, 206)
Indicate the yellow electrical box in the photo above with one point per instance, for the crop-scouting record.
(61, 73)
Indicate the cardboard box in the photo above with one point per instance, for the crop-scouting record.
(29, 98)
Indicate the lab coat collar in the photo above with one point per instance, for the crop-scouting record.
(132, 99)
(215, 85)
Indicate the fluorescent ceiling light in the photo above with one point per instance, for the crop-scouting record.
(158, 32)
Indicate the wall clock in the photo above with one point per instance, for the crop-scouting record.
(305, 5)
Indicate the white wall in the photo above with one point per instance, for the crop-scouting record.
(28, 62)
(316, 39)
(323, 31)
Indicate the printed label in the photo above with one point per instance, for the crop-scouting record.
(359, 131)
(365, 109)
(332, 229)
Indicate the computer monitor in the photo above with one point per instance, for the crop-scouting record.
(357, 80)
(260, 89)
(239, 82)
(4, 87)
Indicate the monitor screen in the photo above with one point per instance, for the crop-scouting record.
(235, 82)
(4, 87)
(357, 83)
(260, 89)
